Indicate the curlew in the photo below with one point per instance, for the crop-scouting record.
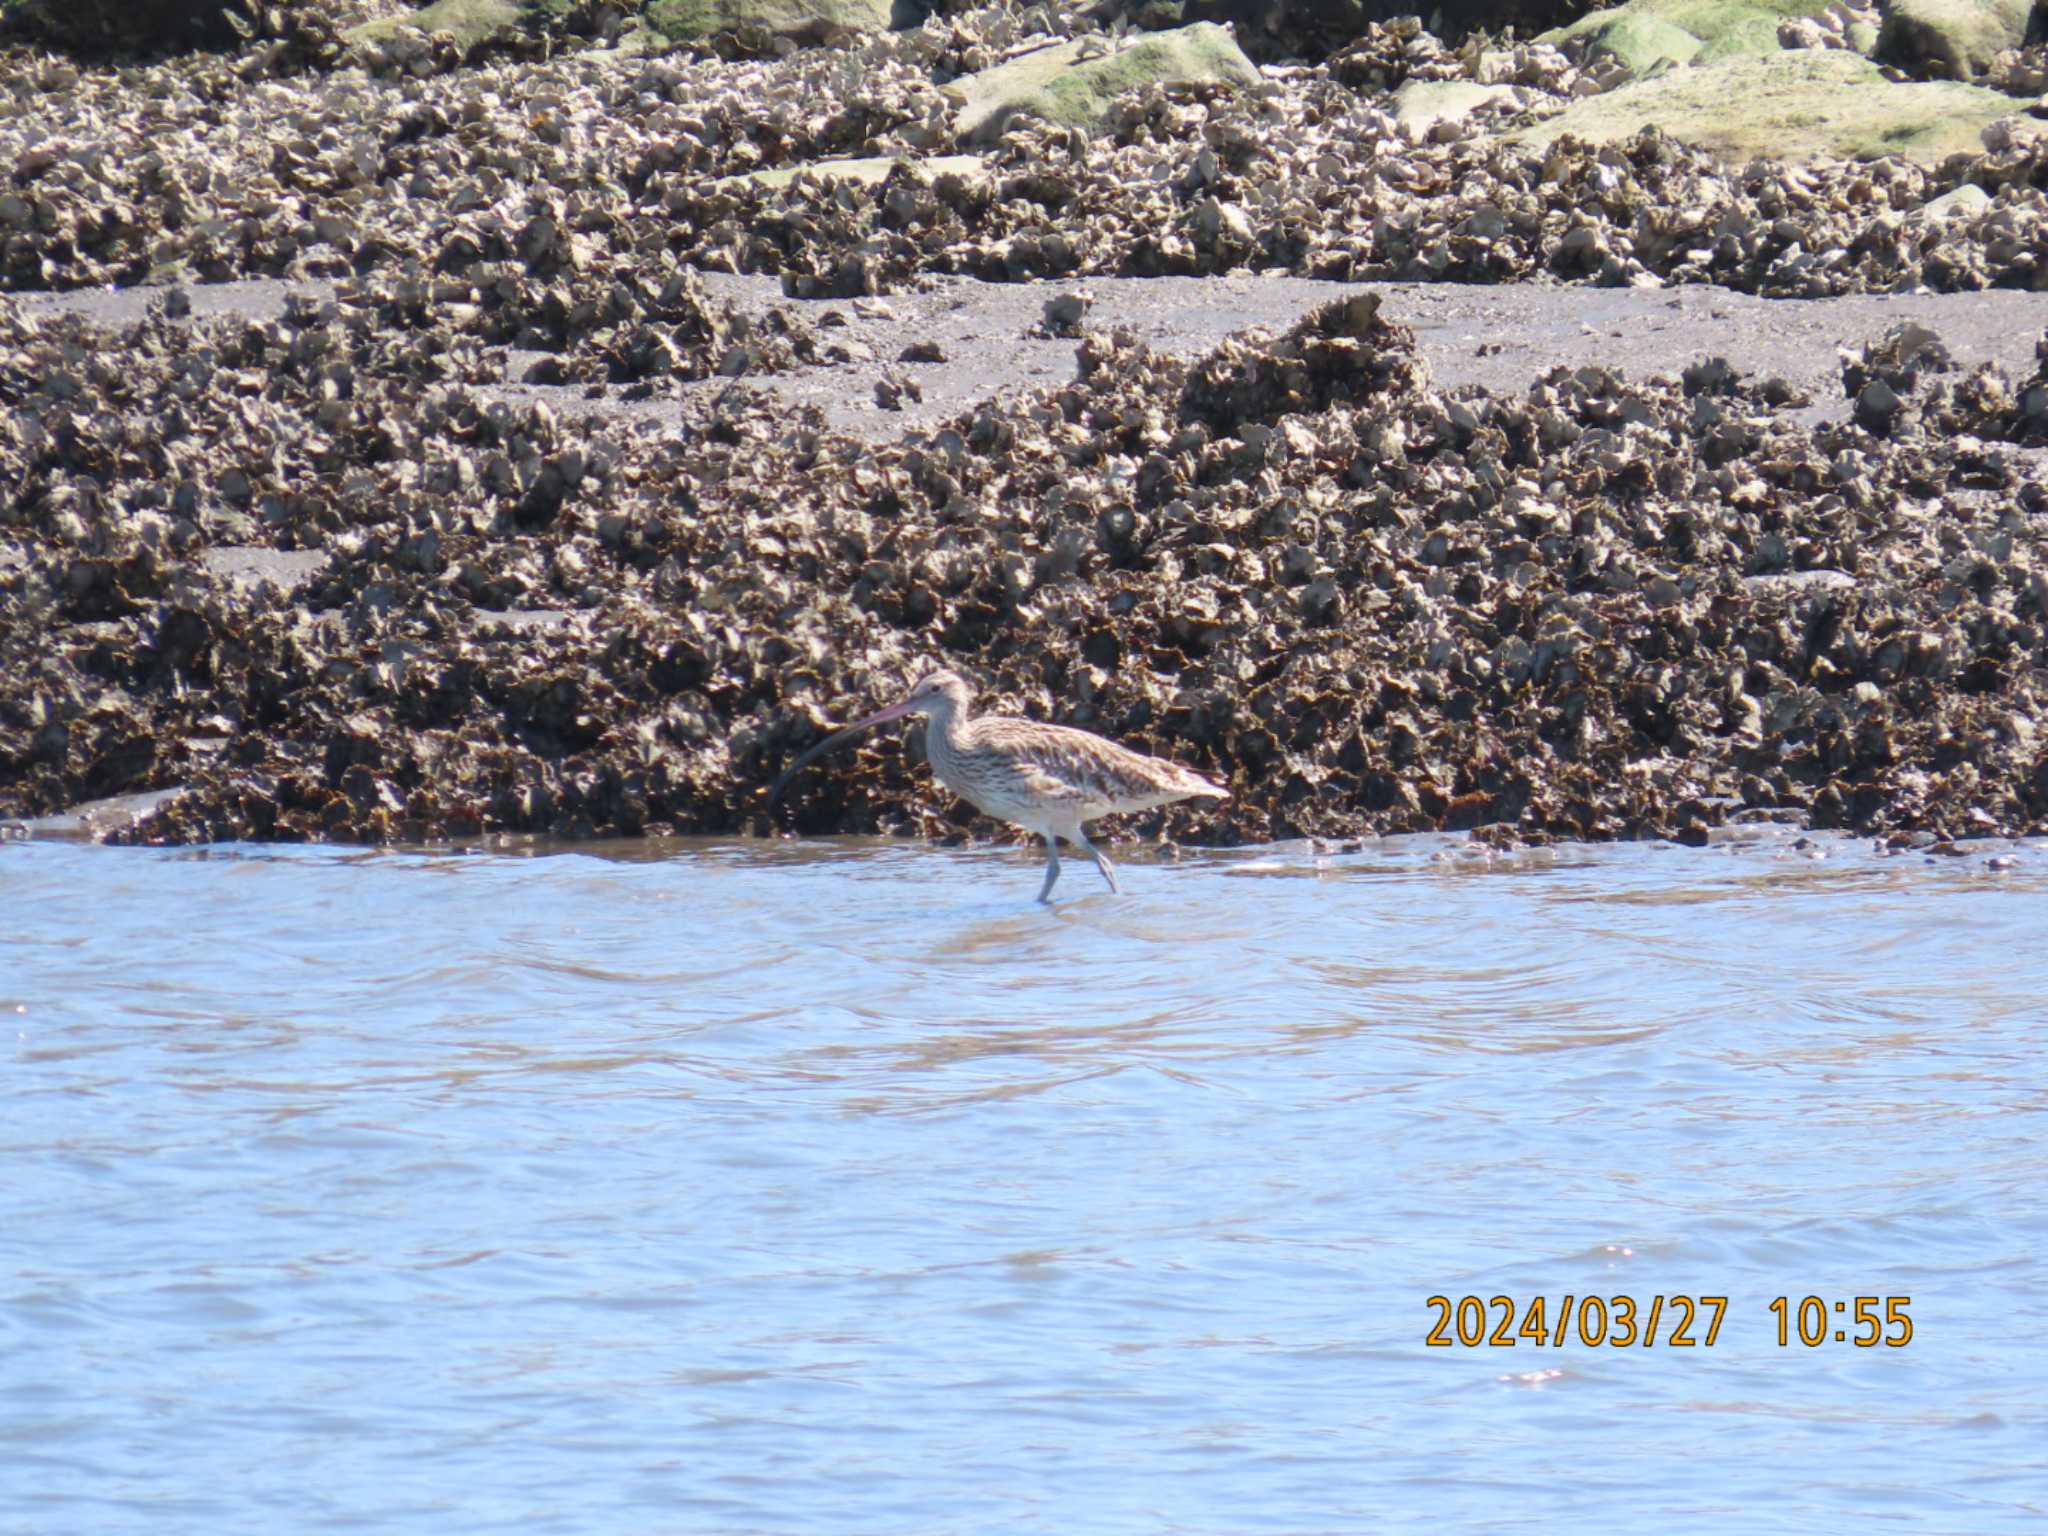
(1048, 779)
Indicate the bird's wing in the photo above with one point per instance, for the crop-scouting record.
(1029, 782)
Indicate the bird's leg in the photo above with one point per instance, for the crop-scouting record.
(1052, 867)
(1095, 853)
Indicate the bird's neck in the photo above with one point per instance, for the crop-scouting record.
(945, 729)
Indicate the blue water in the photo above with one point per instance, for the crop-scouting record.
(838, 1187)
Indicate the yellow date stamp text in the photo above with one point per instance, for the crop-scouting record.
(1674, 1321)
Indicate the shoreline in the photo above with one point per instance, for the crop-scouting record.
(1749, 837)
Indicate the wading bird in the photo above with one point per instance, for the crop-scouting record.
(1048, 779)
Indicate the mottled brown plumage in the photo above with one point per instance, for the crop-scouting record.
(1048, 779)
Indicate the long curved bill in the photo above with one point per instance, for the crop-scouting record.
(844, 734)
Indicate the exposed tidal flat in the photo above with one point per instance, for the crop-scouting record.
(570, 475)
(1581, 491)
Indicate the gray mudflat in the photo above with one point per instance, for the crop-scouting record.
(1500, 337)
(257, 298)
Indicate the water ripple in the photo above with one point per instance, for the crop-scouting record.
(727, 1186)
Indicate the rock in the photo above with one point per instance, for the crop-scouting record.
(1222, 224)
(1064, 313)
(1950, 39)
(1876, 407)
(1421, 104)
(472, 23)
(1644, 32)
(109, 25)
(1273, 31)
(1964, 201)
(1062, 84)
(1638, 40)
(1791, 106)
(395, 43)
(802, 21)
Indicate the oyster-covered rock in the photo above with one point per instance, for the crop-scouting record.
(441, 546)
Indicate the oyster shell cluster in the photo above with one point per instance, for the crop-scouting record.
(1831, 28)
(1592, 608)
(2021, 72)
(336, 172)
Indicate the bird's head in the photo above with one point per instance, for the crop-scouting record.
(935, 693)
(940, 693)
